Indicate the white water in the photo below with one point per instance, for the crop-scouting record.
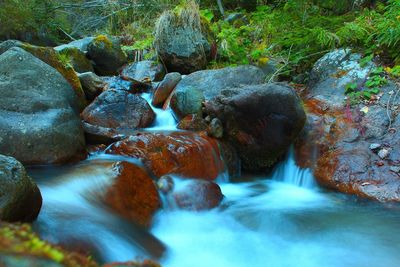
(274, 223)
(164, 118)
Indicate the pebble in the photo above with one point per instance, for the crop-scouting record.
(374, 146)
(383, 153)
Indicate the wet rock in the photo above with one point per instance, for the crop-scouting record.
(260, 121)
(187, 102)
(183, 153)
(181, 41)
(52, 58)
(133, 193)
(145, 70)
(348, 149)
(20, 198)
(107, 55)
(216, 129)
(76, 58)
(193, 122)
(331, 74)
(92, 85)
(165, 88)
(39, 122)
(119, 109)
(395, 169)
(197, 195)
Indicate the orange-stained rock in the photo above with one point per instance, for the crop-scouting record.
(193, 122)
(198, 195)
(193, 155)
(133, 193)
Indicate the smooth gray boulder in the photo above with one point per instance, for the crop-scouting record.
(39, 112)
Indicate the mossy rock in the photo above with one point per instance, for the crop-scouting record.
(75, 57)
(20, 246)
(52, 58)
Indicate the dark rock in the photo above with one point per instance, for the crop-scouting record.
(92, 85)
(192, 122)
(144, 70)
(187, 102)
(81, 44)
(216, 129)
(20, 198)
(119, 110)
(39, 122)
(165, 88)
(260, 121)
(181, 42)
(107, 55)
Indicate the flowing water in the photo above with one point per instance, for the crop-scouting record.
(284, 220)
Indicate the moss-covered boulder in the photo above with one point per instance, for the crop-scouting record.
(76, 58)
(107, 55)
(52, 58)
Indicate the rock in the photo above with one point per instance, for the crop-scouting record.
(193, 122)
(20, 198)
(20, 246)
(335, 70)
(92, 85)
(76, 58)
(107, 55)
(81, 44)
(181, 41)
(187, 154)
(343, 145)
(102, 135)
(39, 122)
(212, 82)
(395, 169)
(187, 102)
(165, 88)
(197, 195)
(145, 70)
(383, 153)
(52, 58)
(375, 147)
(260, 121)
(119, 109)
(133, 193)
(145, 263)
(216, 129)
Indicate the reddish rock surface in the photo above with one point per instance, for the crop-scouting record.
(193, 155)
(198, 195)
(133, 193)
(193, 122)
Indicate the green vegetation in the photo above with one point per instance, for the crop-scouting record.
(293, 33)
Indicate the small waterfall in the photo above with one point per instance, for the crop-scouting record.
(164, 118)
(288, 172)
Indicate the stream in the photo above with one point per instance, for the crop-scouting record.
(282, 220)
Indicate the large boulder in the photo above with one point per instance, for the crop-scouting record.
(333, 72)
(92, 85)
(120, 110)
(193, 89)
(352, 147)
(145, 70)
(260, 121)
(181, 41)
(39, 122)
(165, 88)
(133, 193)
(76, 58)
(107, 55)
(20, 198)
(182, 153)
(52, 58)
